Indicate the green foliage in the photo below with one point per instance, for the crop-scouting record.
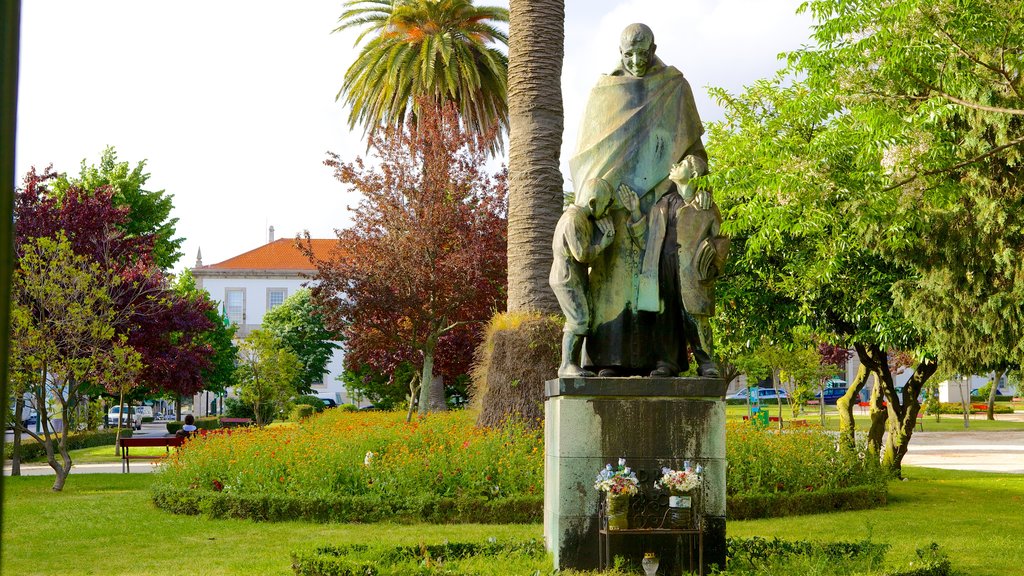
(149, 212)
(31, 450)
(385, 391)
(760, 553)
(799, 460)
(174, 426)
(235, 408)
(346, 508)
(777, 504)
(300, 412)
(449, 559)
(425, 48)
(317, 404)
(299, 327)
(266, 374)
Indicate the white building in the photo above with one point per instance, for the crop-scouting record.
(251, 284)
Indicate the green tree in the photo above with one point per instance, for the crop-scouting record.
(149, 212)
(438, 49)
(63, 338)
(265, 375)
(300, 328)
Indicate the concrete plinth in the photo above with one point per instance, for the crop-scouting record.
(651, 422)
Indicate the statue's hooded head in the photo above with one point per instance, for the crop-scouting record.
(637, 48)
(596, 195)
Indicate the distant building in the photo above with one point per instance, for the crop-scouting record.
(251, 284)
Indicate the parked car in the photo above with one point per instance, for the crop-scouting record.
(834, 389)
(128, 417)
(145, 411)
(762, 394)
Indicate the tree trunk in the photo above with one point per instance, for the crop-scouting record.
(847, 425)
(427, 376)
(536, 48)
(990, 411)
(879, 414)
(19, 408)
(903, 418)
(120, 417)
(177, 409)
(413, 394)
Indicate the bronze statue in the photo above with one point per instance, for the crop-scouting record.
(651, 291)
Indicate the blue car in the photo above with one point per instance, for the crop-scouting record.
(762, 394)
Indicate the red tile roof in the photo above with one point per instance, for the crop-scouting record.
(277, 255)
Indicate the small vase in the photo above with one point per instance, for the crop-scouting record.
(618, 511)
(680, 511)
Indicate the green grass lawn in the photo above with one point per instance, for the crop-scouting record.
(106, 524)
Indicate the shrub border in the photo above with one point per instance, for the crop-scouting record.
(776, 505)
(31, 449)
(479, 510)
(359, 509)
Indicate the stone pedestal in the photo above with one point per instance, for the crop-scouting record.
(651, 422)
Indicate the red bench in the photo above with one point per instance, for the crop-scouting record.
(165, 441)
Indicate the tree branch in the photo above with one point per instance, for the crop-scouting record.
(1000, 71)
(961, 101)
(978, 158)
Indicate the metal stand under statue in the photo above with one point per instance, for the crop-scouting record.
(652, 423)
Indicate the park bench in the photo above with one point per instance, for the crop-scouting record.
(165, 441)
(232, 422)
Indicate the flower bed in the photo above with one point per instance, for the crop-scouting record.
(357, 466)
(416, 468)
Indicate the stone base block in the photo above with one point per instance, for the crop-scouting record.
(652, 423)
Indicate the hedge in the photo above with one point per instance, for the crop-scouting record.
(757, 555)
(204, 423)
(301, 412)
(958, 408)
(341, 508)
(430, 560)
(774, 505)
(30, 449)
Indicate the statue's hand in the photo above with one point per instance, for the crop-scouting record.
(629, 200)
(606, 226)
(704, 199)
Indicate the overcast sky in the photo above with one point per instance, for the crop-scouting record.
(231, 102)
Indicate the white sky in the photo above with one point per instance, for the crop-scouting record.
(232, 101)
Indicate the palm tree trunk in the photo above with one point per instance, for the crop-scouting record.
(536, 49)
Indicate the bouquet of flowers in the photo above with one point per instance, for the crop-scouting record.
(621, 480)
(680, 481)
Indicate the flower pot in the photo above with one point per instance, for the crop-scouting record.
(680, 511)
(618, 511)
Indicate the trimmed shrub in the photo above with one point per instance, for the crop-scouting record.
(518, 354)
(957, 408)
(777, 504)
(208, 423)
(30, 449)
(147, 419)
(310, 400)
(301, 412)
(173, 427)
(448, 559)
(758, 556)
(344, 508)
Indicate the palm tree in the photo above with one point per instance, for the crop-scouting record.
(535, 140)
(440, 49)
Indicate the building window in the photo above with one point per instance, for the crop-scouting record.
(234, 303)
(275, 297)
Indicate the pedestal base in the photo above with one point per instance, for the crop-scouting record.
(652, 423)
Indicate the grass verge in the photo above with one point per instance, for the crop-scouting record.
(974, 517)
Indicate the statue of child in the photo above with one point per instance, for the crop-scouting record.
(575, 245)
